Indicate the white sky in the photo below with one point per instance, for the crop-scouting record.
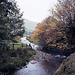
(35, 10)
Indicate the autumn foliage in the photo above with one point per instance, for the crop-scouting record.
(58, 31)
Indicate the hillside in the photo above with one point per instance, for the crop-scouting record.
(30, 26)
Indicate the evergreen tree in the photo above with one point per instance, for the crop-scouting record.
(11, 22)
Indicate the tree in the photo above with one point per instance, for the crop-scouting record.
(11, 22)
(51, 35)
(58, 32)
(65, 11)
(46, 31)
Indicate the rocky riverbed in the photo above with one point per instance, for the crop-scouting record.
(41, 64)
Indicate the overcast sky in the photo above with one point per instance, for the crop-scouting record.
(36, 10)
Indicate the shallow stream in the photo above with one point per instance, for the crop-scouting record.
(41, 64)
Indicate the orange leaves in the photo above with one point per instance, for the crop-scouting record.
(46, 31)
(57, 32)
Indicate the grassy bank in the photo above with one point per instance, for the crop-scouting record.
(67, 67)
(15, 59)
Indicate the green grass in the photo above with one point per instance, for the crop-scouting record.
(19, 45)
(15, 59)
(31, 53)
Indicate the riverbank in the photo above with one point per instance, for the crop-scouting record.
(67, 67)
(11, 60)
(41, 64)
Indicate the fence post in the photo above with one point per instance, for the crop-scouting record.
(13, 46)
(22, 45)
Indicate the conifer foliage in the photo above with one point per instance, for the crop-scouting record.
(11, 21)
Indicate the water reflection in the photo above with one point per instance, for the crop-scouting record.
(38, 68)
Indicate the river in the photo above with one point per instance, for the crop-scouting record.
(40, 64)
(25, 41)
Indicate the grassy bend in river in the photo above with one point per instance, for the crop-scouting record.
(14, 59)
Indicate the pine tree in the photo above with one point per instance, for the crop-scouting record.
(11, 22)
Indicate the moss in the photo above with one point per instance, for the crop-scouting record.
(66, 67)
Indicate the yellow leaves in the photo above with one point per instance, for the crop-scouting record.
(40, 26)
(48, 40)
(47, 32)
(64, 37)
(63, 46)
(34, 38)
(52, 45)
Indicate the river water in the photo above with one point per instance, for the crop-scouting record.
(25, 41)
(41, 64)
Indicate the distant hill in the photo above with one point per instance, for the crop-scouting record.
(30, 26)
